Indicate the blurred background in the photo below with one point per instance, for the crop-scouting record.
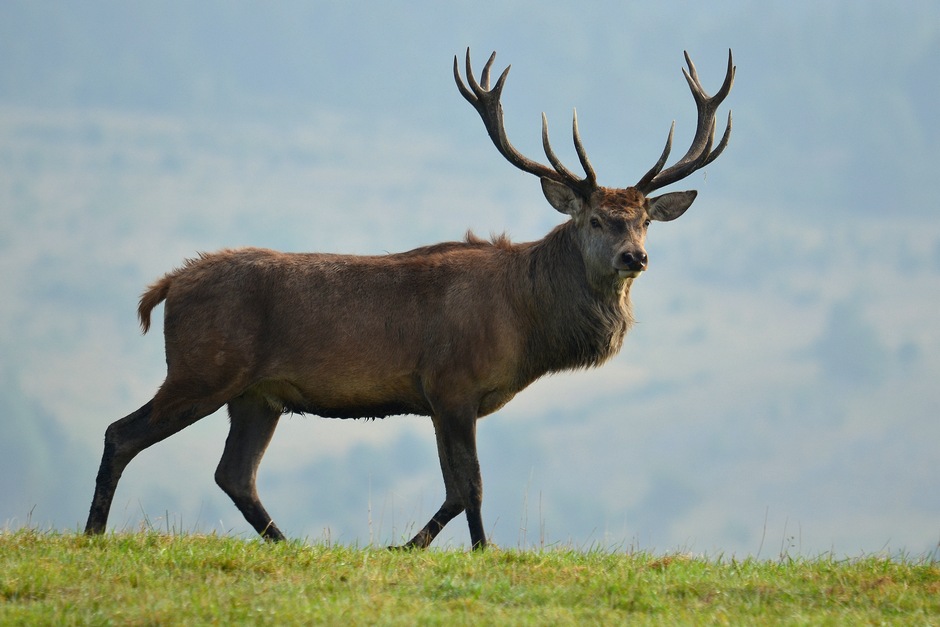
(777, 395)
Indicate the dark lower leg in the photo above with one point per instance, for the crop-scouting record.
(252, 426)
(475, 522)
(456, 447)
(123, 440)
(115, 458)
(465, 469)
(444, 515)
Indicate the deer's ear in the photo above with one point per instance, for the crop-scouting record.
(670, 206)
(561, 197)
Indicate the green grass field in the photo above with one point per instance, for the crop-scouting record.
(150, 578)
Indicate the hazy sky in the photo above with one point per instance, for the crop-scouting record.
(777, 394)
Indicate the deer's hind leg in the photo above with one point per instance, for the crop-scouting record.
(178, 403)
(253, 422)
(125, 438)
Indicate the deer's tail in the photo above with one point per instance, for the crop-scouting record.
(154, 295)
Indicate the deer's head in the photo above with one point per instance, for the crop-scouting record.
(611, 222)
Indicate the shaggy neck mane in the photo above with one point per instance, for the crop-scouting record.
(572, 325)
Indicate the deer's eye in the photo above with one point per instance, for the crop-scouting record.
(595, 223)
(647, 224)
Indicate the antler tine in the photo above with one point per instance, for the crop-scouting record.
(552, 157)
(485, 74)
(725, 88)
(486, 102)
(722, 144)
(662, 160)
(688, 61)
(579, 148)
(700, 152)
(466, 93)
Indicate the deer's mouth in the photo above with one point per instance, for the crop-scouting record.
(625, 273)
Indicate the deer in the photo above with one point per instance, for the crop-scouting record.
(451, 331)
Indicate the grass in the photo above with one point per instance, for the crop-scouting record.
(151, 578)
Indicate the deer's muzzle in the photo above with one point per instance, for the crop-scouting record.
(631, 263)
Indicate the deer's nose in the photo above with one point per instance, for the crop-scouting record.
(634, 260)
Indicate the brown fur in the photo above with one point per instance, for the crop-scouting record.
(354, 336)
(452, 331)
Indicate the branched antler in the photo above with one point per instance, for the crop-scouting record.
(486, 102)
(700, 153)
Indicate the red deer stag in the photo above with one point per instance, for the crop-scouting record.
(452, 331)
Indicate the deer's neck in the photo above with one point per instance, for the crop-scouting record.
(572, 324)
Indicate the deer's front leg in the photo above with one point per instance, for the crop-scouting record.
(457, 450)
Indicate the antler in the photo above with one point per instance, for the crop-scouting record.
(700, 153)
(486, 102)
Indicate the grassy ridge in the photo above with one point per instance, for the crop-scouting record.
(48, 578)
